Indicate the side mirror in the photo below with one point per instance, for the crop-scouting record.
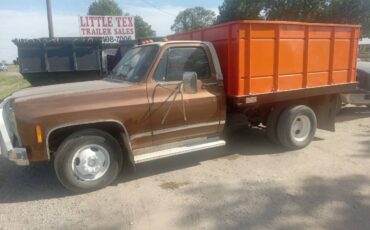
(190, 83)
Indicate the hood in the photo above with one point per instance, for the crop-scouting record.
(69, 88)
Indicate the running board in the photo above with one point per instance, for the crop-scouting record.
(179, 151)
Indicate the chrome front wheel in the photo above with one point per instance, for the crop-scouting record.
(90, 162)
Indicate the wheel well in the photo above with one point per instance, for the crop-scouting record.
(56, 137)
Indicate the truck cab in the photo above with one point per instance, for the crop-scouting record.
(162, 99)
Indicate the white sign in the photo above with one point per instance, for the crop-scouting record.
(113, 29)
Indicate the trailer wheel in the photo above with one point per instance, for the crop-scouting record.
(297, 127)
(271, 125)
(88, 160)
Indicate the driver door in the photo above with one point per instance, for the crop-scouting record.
(176, 115)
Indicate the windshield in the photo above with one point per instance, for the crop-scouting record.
(135, 64)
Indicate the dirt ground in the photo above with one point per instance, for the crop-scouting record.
(250, 184)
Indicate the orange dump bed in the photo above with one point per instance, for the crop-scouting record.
(259, 57)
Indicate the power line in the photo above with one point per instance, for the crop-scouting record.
(157, 8)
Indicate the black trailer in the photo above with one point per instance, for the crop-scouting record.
(47, 61)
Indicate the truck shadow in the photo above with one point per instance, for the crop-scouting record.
(36, 182)
(244, 141)
(350, 113)
(365, 152)
(316, 202)
(39, 182)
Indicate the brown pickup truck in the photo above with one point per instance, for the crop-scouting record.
(170, 98)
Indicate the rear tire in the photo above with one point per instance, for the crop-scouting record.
(271, 125)
(297, 127)
(88, 160)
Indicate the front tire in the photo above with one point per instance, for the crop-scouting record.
(88, 160)
(296, 127)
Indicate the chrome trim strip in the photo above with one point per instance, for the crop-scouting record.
(140, 135)
(5, 141)
(171, 145)
(83, 123)
(174, 129)
(17, 155)
(134, 136)
(180, 149)
(184, 127)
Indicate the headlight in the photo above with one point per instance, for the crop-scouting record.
(10, 122)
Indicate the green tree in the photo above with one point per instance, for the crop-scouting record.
(295, 10)
(143, 29)
(193, 18)
(232, 10)
(349, 12)
(105, 7)
(325, 11)
(110, 7)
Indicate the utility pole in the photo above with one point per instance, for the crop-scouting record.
(50, 19)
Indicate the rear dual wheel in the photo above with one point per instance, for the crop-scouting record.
(294, 127)
(271, 126)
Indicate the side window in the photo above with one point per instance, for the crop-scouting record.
(176, 61)
(160, 72)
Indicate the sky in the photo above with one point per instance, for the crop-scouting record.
(27, 18)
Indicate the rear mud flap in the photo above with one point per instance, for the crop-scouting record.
(326, 109)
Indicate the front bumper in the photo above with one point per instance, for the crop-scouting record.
(17, 155)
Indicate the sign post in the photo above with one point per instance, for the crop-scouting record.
(113, 29)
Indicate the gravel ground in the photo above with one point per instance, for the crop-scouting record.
(250, 184)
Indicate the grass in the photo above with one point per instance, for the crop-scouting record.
(11, 81)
